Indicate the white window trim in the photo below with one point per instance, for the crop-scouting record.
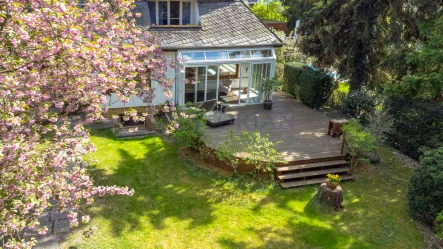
(270, 59)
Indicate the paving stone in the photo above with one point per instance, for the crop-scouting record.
(61, 226)
(48, 242)
(44, 219)
(55, 215)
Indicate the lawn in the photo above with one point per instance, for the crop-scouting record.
(178, 205)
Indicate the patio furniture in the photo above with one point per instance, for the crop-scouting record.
(208, 105)
(215, 115)
(216, 118)
(334, 126)
(225, 85)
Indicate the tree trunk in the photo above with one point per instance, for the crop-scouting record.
(331, 196)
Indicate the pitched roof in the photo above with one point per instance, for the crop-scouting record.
(223, 24)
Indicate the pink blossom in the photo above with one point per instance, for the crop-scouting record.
(87, 54)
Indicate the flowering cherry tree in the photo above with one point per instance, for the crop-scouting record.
(58, 58)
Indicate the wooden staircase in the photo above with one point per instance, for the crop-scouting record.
(312, 171)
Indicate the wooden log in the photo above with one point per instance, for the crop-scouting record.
(331, 196)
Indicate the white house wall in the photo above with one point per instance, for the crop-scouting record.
(159, 96)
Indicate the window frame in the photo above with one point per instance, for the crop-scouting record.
(180, 18)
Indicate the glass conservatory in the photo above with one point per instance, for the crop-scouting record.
(230, 76)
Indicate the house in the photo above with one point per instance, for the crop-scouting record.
(227, 50)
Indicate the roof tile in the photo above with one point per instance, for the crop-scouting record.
(224, 23)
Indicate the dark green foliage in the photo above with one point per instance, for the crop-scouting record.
(425, 79)
(191, 129)
(439, 226)
(425, 193)
(299, 10)
(417, 124)
(359, 103)
(311, 86)
(366, 40)
(343, 31)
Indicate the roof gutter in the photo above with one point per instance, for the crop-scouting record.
(277, 45)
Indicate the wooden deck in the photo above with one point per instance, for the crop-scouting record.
(303, 131)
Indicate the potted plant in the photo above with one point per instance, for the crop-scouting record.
(332, 181)
(267, 87)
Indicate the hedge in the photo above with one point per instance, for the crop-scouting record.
(425, 192)
(417, 124)
(311, 86)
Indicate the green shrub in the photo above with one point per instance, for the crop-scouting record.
(227, 152)
(359, 142)
(251, 147)
(425, 192)
(191, 126)
(311, 86)
(439, 226)
(359, 104)
(260, 151)
(338, 96)
(417, 124)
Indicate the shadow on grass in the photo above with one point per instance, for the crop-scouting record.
(161, 189)
(167, 187)
(298, 235)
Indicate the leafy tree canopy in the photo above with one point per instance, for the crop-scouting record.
(56, 59)
(365, 40)
(425, 79)
(271, 11)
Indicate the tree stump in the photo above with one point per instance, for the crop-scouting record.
(332, 196)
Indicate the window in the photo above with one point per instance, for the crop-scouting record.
(228, 70)
(174, 18)
(186, 13)
(216, 55)
(195, 56)
(170, 12)
(163, 13)
(253, 55)
(152, 12)
(261, 53)
(239, 54)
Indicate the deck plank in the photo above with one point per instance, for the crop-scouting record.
(301, 130)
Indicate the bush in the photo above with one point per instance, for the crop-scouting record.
(358, 141)
(417, 124)
(439, 226)
(227, 152)
(425, 192)
(260, 151)
(252, 148)
(359, 103)
(311, 86)
(338, 96)
(190, 128)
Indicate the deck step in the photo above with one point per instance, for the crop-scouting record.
(313, 173)
(310, 182)
(311, 165)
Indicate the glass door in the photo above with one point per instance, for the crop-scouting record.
(243, 90)
(258, 73)
(195, 81)
(212, 82)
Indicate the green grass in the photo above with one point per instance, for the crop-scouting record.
(177, 205)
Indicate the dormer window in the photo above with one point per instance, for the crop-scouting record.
(170, 12)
